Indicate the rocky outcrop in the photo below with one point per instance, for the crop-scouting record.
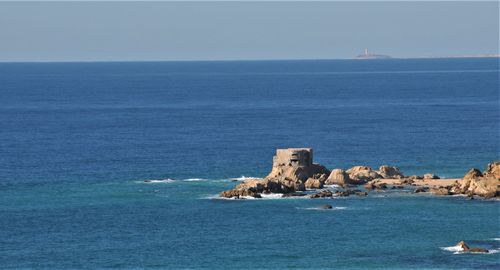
(390, 172)
(338, 177)
(292, 171)
(462, 246)
(493, 170)
(483, 186)
(362, 174)
(475, 182)
(326, 206)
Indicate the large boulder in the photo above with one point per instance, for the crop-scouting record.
(390, 172)
(362, 174)
(338, 177)
(312, 183)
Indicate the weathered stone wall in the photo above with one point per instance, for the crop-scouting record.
(295, 157)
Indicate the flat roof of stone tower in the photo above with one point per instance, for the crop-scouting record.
(295, 149)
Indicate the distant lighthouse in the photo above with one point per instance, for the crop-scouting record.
(367, 55)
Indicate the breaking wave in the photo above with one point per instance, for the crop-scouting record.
(169, 180)
(154, 181)
(322, 209)
(460, 250)
(243, 178)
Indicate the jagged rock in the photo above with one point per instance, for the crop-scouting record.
(326, 206)
(473, 173)
(322, 194)
(312, 183)
(239, 193)
(440, 191)
(421, 189)
(362, 174)
(390, 172)
(465, 248)
(486, 187)
(338, 177)
(462, 245)
(415, 177)
(430, 176)
(493, 170)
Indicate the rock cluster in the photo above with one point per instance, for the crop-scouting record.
(484, 184)
(293, 171)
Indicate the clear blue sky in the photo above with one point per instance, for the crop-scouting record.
(91, 31)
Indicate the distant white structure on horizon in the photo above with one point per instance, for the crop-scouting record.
(368, 55)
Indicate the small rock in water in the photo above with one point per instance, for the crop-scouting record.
(326, 206)
(466, 248)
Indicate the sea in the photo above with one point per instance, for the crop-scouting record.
(117, 165)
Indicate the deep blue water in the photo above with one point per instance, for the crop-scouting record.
(78, 139)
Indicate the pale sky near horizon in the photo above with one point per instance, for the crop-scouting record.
(151, 31)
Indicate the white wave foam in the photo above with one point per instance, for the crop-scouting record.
(193, 179)
(496, 239)
(332, 186)
(460, 250)
(153, 181)
(453, 248)
(272, 196)
(243, 178)
(321, 209)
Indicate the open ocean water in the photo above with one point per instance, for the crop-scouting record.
(77, 140)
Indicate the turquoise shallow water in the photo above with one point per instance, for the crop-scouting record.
(78, 139)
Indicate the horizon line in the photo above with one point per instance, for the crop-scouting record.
(251, 60)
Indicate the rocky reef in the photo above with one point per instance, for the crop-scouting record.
(294, 172)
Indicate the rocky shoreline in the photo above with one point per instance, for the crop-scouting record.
(294, 172)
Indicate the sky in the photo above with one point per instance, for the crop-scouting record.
(157, 31)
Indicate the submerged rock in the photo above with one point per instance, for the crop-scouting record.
(322, 194)
(421, 189)
(326, 206)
